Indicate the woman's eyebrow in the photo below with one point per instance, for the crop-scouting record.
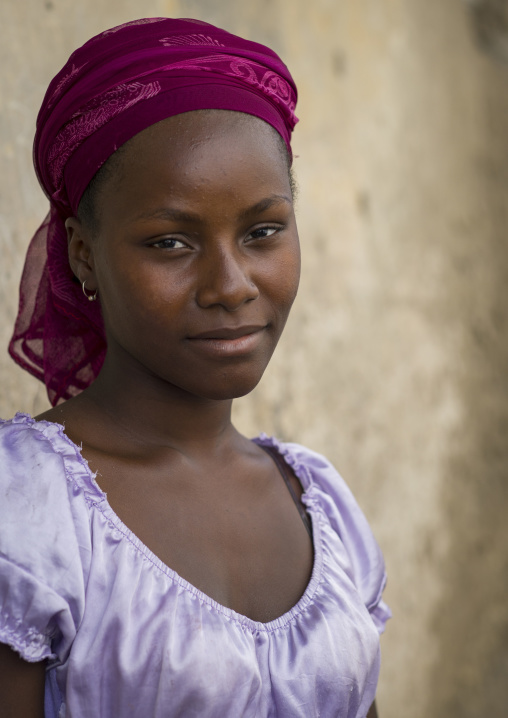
(172, 214)
(169, 214)
(265, 204)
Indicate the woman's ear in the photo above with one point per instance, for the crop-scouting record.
(81, 252)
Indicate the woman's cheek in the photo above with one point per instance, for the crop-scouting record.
(288, 284)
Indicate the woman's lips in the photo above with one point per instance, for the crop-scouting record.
(228, 341)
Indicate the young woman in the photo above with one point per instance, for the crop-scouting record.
(154, 562)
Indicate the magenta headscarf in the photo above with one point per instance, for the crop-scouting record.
(111, 88)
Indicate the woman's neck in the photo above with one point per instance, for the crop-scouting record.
(128, 405)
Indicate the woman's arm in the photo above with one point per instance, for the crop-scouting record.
(21, 685)
(372, 711)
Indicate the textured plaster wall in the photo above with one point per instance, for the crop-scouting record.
(394, 363)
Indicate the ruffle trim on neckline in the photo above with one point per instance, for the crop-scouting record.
(300, 469)
(77, 470)
(245, 623)
(82, 479)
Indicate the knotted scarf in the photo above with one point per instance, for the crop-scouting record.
(117, 84)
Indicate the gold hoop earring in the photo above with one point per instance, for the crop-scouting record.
(90, 297)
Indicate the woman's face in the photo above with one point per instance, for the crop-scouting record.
(196, 257)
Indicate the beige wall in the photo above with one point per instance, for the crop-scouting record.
(394, 362)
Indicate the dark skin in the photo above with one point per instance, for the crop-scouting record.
(196, 262)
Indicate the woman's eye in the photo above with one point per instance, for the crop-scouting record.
(169, 243)
(263, 232)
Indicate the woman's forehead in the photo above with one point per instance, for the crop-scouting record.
(214, 141)
(198, 127)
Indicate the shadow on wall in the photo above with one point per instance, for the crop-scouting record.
(490, 19)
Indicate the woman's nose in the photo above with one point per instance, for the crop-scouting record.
(225, 280)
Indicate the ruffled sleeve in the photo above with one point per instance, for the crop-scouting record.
(348, 521)
(44, 542)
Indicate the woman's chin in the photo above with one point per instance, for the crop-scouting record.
(229, 390)
(230, 383)
(213, 382)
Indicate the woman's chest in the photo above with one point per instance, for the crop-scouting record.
(246, 548)
(166, 648)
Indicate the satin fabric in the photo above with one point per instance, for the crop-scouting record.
(126, 636)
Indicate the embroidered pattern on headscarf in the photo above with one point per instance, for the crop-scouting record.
(190, 40)
(93, 115)
(64, 82)
(252, 72)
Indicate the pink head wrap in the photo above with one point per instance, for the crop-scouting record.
(111, 88)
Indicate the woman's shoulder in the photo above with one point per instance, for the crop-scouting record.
(28, 453)
(40, 466)
(322, 485)
(45, 540)
(327, 492)
(315, 471)
(23, 432)
(24, 438)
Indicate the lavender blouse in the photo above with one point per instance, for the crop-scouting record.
(127, 637)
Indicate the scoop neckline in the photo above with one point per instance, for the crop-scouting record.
(86, 479)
